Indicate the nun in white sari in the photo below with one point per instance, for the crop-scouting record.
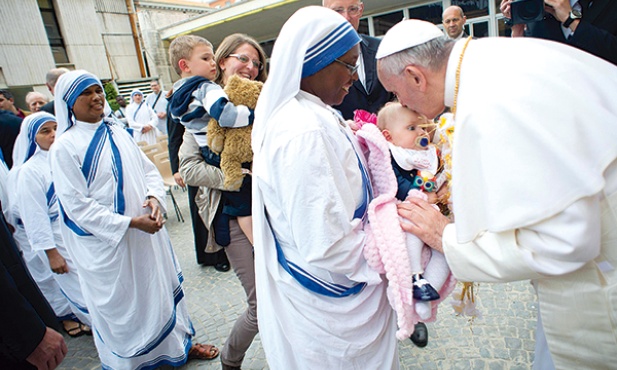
(34, 200)
(141, 119)
(39, 236)
(111, 199)
(320, 305)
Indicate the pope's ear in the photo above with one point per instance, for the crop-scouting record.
(415, 77)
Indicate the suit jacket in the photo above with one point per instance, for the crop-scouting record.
(9, 129)
(49, 108)
(25, 312)
(596, 32)
(375, 95)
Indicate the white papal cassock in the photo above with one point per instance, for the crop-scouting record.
(535, 186)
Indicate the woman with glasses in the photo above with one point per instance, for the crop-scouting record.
(241, 55)
(320, 305)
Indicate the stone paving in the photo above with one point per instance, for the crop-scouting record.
(502, 339)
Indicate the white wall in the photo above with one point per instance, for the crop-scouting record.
(25, 55)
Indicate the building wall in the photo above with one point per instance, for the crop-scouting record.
(96, 33)
(82, 36)
(117, 36)
(150, 20)
(25, 56)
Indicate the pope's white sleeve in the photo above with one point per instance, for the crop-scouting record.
(557, 245)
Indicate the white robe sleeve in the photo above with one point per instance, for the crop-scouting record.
(72, 192)
(555, 246)
(153, 118)
(32, 203)
(318, 201)
(130, 112)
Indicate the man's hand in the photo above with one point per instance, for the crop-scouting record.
(560, 9)
(179, 180)
(518, 30)
(56, 261)
(50, 352)
(426, 222)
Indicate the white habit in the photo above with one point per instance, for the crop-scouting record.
(131, 280)
(38, 208)
(310, 190)
(158, 103)
(138, 116)
(535, 186)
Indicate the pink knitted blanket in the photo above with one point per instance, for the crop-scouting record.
(385, 249)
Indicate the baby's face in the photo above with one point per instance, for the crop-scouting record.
(406, 130)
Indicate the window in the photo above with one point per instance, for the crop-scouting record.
(502, 29)
(429, 12)
(56, 43)
(363, 27)
(478, 29)
(473, 8)
(384, 22)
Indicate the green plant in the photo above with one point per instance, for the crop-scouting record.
(110, 95)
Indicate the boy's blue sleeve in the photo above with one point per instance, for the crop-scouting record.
(217, 105)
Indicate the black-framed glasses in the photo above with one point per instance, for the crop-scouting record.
(246, 59)
(352, 11)
(351, 68)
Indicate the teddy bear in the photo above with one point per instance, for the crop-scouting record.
(234, 144)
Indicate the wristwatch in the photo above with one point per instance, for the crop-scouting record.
(574, 14)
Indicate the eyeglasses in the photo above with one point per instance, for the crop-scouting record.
(352, 11)
(351, 68)
(245, 59)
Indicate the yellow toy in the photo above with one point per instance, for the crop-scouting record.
(234, 144)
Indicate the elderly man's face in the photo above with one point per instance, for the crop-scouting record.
(35, 102)
(415, 90)
(453, 21)
(350, 9)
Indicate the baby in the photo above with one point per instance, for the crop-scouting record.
(416, 163)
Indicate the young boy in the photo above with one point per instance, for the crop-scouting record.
(195, 100)
(415, 163)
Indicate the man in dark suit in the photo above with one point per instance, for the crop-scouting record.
(453, 19)
(50, 81)
(9, 129)
(367, 92)
(590, 25)
(27, 336)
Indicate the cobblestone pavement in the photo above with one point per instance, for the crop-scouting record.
(502, 339)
